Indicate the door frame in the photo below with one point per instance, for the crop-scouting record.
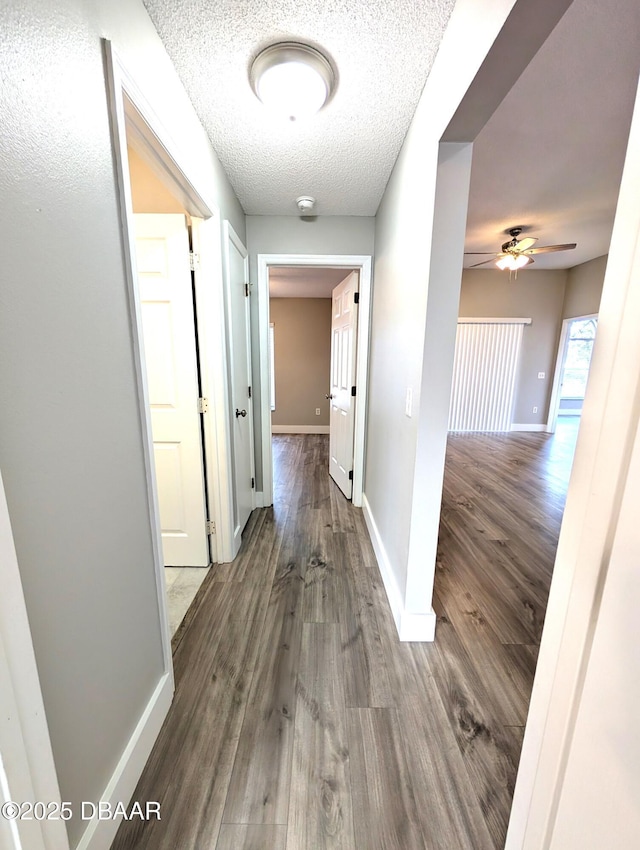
(27, 767)
(363, 264)
(563, 346)
(231, 237)
(134, 121)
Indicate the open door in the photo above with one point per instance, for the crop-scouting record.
(344, 325)
(239, 342)
(166, 299)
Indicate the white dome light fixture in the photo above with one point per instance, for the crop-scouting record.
(294, 80)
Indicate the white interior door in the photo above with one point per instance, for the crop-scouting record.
(164, 278)
(239, 335)
(344, 325)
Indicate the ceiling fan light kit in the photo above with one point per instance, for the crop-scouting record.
(292, 79)
(516, 253)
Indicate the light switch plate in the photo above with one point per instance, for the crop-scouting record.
(409, 402)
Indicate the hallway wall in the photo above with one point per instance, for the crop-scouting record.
(273, 234)
(419, 237)
(70, 432)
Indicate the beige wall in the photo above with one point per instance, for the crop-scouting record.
(302, 334)
(148, 192)
(584, 288)
(538, 295)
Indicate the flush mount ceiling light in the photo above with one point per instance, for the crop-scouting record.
(293, 79)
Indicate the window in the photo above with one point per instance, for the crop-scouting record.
(582, 333)
(272, 368)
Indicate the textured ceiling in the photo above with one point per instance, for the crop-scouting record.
(296, 282)
(343, 156)
(551, 156)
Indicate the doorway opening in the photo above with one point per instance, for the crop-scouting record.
(312, 335)
(165, 269)
(303, 393)
(536, 469)
(151, 179)
(572, 368)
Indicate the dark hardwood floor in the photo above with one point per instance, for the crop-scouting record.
(299, 720)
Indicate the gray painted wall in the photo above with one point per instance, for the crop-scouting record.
(584, 288)
(538, 295)
(70, 432)
(416, 288)
(294, 235)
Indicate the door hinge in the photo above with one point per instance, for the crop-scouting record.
(253, 483)
(203, 405)
(249, 392)
(351, 475)
(194, 261)
(246, 289)
(353, 390)
(211, 527)
(356, 297)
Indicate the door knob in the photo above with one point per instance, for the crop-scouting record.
(240, 412)
(328, 396)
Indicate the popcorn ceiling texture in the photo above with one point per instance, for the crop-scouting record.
(343, 156)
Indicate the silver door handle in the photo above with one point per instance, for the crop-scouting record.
(328, 395)
(240, 412)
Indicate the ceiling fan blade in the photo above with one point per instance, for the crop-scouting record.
(474, 253)
(484, 262)
(525, 243)
(547, 249)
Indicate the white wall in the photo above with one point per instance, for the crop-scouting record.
(600, 800)
(399, 492)
(70, 433)
(293, 235)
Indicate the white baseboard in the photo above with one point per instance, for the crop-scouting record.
(299, 429)
(99, 834)
(259, 499)
(524, 427)
(411, 627)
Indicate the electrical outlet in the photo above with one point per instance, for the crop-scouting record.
(409, 402)
(535, 409)
(317, 411)
(541, 376)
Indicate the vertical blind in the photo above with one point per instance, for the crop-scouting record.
(485, 369)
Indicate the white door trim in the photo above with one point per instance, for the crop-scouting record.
(27, 768)
(209, 286)
(135, 121)
(554, 403)
(335, 261)
(129, 111)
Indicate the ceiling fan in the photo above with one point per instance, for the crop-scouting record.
(516, 254)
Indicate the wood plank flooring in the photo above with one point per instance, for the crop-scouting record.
(301, 723)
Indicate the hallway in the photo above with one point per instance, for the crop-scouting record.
(300, 722)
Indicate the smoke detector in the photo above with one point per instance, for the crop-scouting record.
(305, 204)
